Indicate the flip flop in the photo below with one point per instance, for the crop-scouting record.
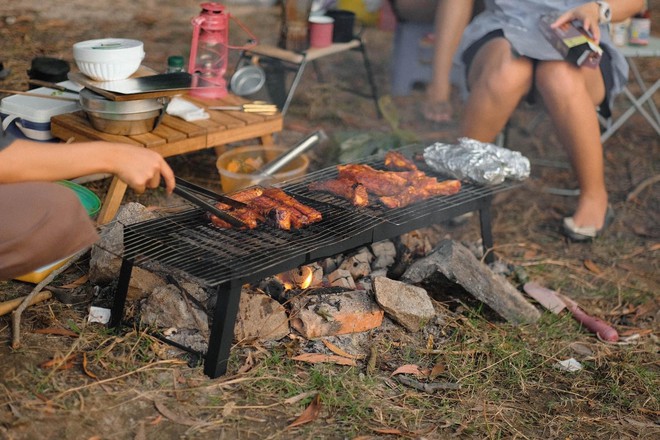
(438, 111)
(586, 233)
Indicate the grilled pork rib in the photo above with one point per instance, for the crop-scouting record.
(349, 189)
(395, 189)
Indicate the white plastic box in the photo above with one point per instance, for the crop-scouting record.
(31, 115)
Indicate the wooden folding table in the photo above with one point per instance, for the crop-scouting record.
(173, 136)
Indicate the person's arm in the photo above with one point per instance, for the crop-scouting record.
(138, 167)
(589, 14)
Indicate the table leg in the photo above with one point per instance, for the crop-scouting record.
(112, 201)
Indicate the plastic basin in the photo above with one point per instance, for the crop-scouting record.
(237, 165)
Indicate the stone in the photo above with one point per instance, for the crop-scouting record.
(260, 317)
(315, 316)
(105, 259)
(406, 304)
(359, 265)
(384, 254)
(341, 278)
(166, 307)
(457, 264)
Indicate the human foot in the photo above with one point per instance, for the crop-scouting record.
(589, 232)
(437, 111)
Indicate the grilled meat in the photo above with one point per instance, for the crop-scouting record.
(429, 187)
(349, 189)
(395, 189)
(271, 205)
(397, 161)
(273, 211)
(380, 183)
(312, 214)
(250, 217)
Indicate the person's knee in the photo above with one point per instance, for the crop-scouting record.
(502, 80)
(558, 79)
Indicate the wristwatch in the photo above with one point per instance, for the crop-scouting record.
(604, 12)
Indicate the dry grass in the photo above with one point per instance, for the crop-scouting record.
(131, 386)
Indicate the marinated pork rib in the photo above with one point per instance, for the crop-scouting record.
(349, 189)
(271, 205)
(312, 214)
(425, 190)
(380, 183)
(273, 211)
(247, 215)
(397, 161)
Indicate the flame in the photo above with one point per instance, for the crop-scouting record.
(300, 278)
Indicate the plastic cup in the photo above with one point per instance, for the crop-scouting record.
(320, 31)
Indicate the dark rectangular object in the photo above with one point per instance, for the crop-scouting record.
(572, 42)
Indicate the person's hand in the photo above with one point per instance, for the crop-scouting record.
(141, 168)
(588, 14)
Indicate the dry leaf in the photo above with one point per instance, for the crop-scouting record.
(437, 370)
(173, 417)
(79, 282)
(315, 358)
(429, 343)
(592, 267)
(299, 397)
(56, 331)
(310, 414)
(156, 420)
(228, 409)
(84, 365)
(60, 363)
(248, 364)
(392, 431)
(636, 331)
(338, 351)
(409, 369)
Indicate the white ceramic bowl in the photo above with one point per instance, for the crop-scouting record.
(108, 59)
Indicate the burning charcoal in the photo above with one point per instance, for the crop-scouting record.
(359, 265)
(274, 288)
(317, 275)
(331, 264)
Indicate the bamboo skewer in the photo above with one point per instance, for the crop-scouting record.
(37, 95)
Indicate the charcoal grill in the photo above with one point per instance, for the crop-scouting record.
(187, 244)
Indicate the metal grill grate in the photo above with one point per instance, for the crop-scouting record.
(190, 243)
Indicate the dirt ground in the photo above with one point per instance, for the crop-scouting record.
(128, 387)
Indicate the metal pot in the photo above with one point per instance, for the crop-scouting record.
(121, 117)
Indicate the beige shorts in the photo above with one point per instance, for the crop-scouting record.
(40, 223)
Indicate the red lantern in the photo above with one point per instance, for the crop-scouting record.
(209, 51)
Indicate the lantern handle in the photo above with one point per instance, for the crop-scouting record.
(253, 39)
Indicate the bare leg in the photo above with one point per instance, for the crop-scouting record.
(497, 82)
(570, 95)
(451, 17)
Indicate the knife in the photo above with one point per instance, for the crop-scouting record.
(556, 302)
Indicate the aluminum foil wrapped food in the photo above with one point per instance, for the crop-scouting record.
(479, 162)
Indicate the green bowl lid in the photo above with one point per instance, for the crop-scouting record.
(89, 200)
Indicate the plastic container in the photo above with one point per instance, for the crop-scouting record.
(92, 204)
(235, 167)
(31, 115)
(108, 59)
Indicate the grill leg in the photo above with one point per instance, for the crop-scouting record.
(117, 312)
(222, 332)
(485, 220)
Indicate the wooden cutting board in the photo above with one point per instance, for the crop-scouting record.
(144, 84)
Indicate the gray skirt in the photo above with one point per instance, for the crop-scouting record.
(40, 223)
